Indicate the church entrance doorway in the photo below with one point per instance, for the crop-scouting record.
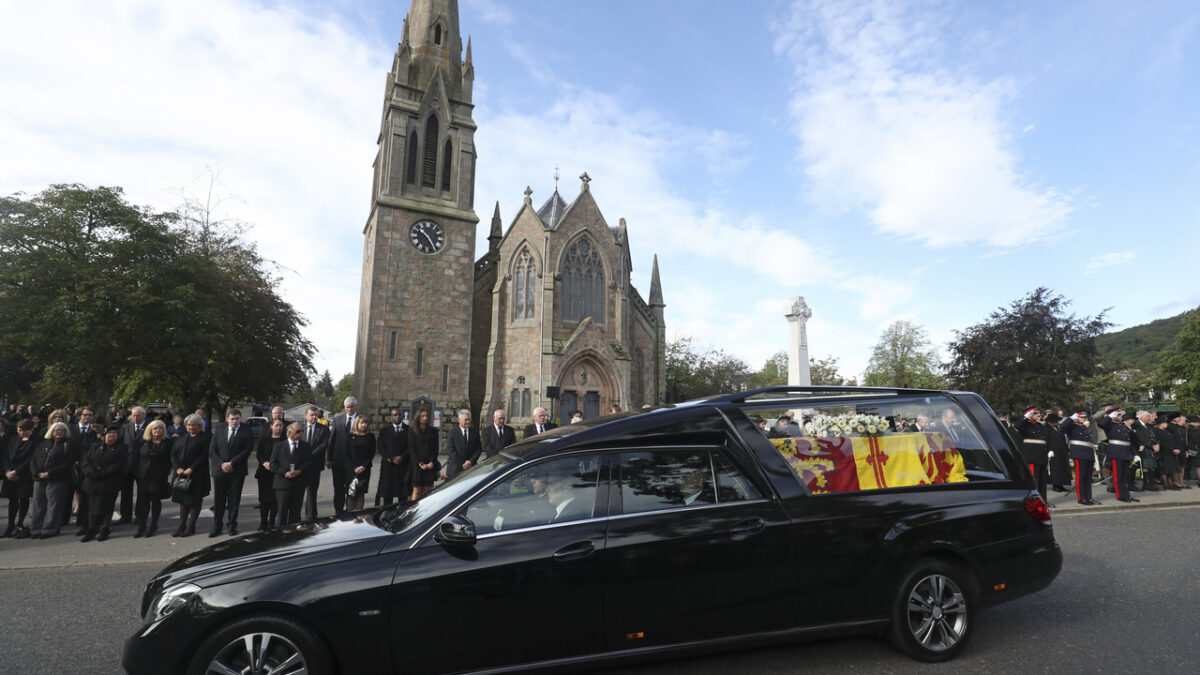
(587, 386)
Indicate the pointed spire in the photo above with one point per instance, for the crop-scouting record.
(497, 232)
(656, 298)
(467, 62)
(622, 234)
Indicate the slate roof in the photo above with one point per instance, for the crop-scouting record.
(552, 210)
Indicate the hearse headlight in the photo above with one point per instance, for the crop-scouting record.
(170, 600)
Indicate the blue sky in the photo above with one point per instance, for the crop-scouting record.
(928, 161)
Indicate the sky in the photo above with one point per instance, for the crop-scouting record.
(925, 161)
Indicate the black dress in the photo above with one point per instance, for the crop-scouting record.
(154, 468)
(423, 448)
(15, 457)
(360, 451)
(264, 448)
(190, 451)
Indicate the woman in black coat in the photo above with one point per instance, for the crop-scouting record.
(152, 471)
(16, 480)
(189, 458)
(423, 450)
(104, 469)
(264, 446)
(360, 454)
(51, 469)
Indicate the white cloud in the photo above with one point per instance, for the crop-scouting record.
(1109, 260)
(924, 149)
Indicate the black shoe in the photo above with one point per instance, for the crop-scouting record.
(35, 536)
(215, 533)
(188, 532)
(1124, 499)
(1152, 488)
(103, 536)
(150, 532)
(88, 537)
(1134, 499)
(178, 533)
(123, 521)
(140, 533)
(1111, 490)
(1174, 487)
(1134, 488)
(233, 531)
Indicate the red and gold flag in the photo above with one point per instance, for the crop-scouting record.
(841, 464)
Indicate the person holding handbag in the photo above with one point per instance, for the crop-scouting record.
(189, 474)
(360, 454)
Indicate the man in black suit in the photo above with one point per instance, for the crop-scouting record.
(541, 422)
(339, 438)
(498, 435)
(393, 469)
(464, 446)
(131, 437)
(227, 454)
(317, 437)
(291, 462)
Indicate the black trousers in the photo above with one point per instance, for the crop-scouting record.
(100, 511)
(1039, 478)
(339, 489)
(310, 494)
(1122, 481)
(288, 501)
(227, 497)
(127, 498)
(147, 506)
(1083, 480)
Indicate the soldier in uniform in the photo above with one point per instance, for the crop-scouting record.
(1081, 449)
(1060, 461)
(1120, 449)
(1148, 448)
(1034, 435)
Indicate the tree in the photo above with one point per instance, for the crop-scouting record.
(323, 389)
(693, 373)
(1118, 387)
(345, 387)
(1181, 364)
(825, 371)
(774, 371)
(106, 299)
(904, 357)
(1030, 353)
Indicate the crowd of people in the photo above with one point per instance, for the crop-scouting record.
(73, 464)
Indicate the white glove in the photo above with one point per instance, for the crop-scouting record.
(1137, 460)
(1050, 455)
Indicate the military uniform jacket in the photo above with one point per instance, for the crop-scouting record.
(1120, 439)
(104, 468)
(1079, 440)
(1033, 441)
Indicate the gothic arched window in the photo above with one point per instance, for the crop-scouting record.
(429, 170)
(583, 283)
(524, 283)
(447, 155)
(410, 166)
(437, 34)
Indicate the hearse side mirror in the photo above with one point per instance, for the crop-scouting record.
(455, 530)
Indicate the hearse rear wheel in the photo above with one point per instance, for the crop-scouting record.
(933, 612)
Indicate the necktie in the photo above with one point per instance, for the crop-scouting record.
(464, 434)
(397, 428)
(349, 421)
(499, 434)
(539, 428)
(231, 430)
(310, 434)
(295, 446)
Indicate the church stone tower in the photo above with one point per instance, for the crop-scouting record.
(414, 316)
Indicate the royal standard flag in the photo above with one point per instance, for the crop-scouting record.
(850, 464)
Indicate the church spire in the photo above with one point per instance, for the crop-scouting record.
(656, 298)
(431, 31)
(497, 232)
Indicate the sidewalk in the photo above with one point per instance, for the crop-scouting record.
(1066, 502)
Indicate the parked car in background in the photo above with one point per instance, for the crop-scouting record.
(256, 424)
(680, 529)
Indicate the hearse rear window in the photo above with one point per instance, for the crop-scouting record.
(842, 446)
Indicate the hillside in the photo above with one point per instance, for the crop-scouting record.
(1138, 346)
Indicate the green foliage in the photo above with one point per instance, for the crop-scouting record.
(1138, 347)
(825, 371)
(1030, 353)
(107, 299)
(324, 386)
(904, 357)
(693, 373)
(345, 387)
(1181, 364)
(774, 371)
(1117, 387)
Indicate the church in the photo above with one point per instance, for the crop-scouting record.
(546, 317)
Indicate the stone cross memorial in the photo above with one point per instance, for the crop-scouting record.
(798, 314)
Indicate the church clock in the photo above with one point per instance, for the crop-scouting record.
(427, 236)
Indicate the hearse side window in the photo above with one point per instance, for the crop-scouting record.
(662, 479)
(850, 446)
(554, 491)
(732, 486)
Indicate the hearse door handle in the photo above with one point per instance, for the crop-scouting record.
(576, 551)
(747, 527)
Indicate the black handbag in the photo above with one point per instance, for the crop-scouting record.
(180, 487)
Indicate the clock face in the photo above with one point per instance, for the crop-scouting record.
(427, 236)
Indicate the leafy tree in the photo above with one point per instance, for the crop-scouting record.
(904, 357)
(324, 386)
(302, 392)
(1181, 364)
(1030, 353)
(693, 373)
(345, 387)
(106, 299)
(774, 371)
(1118, 387)
(825, 371)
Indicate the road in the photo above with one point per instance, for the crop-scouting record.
(1126, 600)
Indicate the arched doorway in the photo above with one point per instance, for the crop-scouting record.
(587, 385)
